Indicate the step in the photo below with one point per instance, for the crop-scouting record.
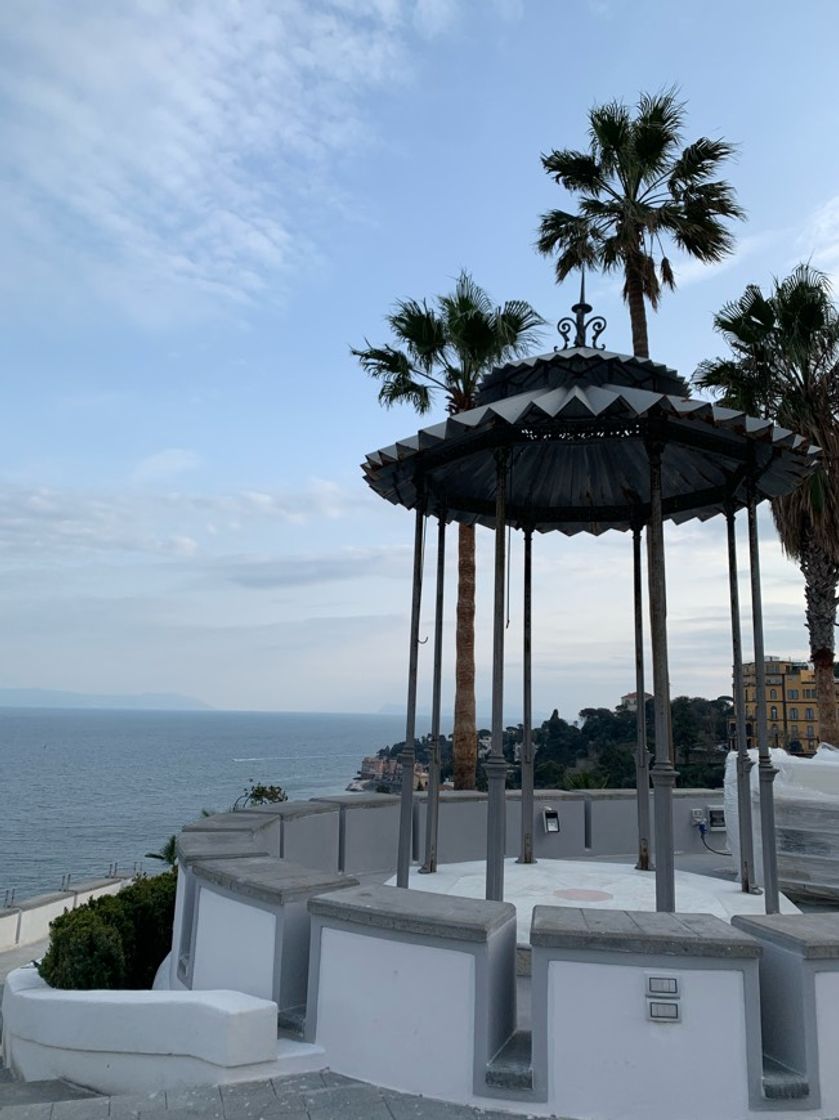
(512, 1068)
(781, 1083)
(40, 1092)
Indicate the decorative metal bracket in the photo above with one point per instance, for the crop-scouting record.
(579, 325)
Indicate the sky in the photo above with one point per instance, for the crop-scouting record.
(205, 203)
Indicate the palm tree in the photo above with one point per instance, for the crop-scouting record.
(168, 854)
(638, 186)
(785, 366)
(445, 349)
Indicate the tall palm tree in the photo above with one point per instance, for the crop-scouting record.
(638, 186)
(445, 349)
(785, 366)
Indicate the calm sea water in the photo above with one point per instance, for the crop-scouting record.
(82, 789)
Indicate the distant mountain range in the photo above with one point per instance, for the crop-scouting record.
(143, 701)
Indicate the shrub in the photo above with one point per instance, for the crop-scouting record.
(85, 952)
(113, 942)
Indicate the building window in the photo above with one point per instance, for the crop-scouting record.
(810, 732)
(773, 714)
(808, 714)
(773, 694)
(795, 728)
(793, 713)
(793, 694)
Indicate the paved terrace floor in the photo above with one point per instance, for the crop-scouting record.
(309, 1096)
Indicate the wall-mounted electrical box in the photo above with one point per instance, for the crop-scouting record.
(662, 994)
(550, 819)
(716, 818)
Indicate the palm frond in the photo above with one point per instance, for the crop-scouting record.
(576, 171)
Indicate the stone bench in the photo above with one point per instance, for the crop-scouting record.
(633, 1009)
(404, 982)
(799, 991)
(249, 928)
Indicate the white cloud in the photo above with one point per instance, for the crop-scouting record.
(820, 240)
(164, 158)
(165, 464)
(47, 526)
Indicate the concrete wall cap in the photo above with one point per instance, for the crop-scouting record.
(359, 800)
(269, 879)
(243, 820)
(290, 809)
(636, 931)
(813, 936)
(417, 912)
(192, 846)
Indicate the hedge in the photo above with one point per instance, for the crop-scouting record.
(113, 942)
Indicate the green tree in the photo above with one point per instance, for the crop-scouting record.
(784, 365)
(445, 349)
(638, 186)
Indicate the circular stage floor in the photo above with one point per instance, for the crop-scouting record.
(594, 885)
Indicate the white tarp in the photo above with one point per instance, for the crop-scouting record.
(806, 794)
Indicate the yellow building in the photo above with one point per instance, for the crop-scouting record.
(792, 710)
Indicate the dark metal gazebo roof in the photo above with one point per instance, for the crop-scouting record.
(577, 423)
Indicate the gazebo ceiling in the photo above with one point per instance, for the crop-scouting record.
(576, 424)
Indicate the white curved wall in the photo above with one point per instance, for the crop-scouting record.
(135, 1041)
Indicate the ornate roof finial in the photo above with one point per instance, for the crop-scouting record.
(578, 324)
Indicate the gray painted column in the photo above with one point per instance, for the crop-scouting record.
(765, 770)
(663, 773)
(433, 805)
(744, 763)
(406, 758)
(642, 756)
(526, 853)
(495, 765)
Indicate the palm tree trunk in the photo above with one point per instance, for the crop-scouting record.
(821, 575)
(637, 312)
(465, 736)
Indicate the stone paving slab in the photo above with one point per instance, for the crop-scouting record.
(307, 1096)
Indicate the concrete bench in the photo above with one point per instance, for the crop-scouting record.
(134, 1041)
(634, 1009)
(402, 982)
(799, 992)
(368, 831)
(250, 927)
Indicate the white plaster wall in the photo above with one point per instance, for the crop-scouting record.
(132, 1041)
(234, 946)
(35, 923)
(607, 1061)
(85, 894)
(8, 928)
(397, 1014)
(827, 1027)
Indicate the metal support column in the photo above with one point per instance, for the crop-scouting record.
(406, 758)
(526, 854)
(765, 770)
(663, 773)
(433, 803)
(642, 756)
(744, 763)
(495, 765)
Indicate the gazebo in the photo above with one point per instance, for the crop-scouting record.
(585, 440)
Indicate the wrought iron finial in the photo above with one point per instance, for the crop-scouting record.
(579, 325)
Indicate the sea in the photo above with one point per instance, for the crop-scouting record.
(82, 790)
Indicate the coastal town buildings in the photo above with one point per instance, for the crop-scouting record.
(792, 708)
(629, 701)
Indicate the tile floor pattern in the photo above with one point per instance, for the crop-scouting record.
(308, 1096)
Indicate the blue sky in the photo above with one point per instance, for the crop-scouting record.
(205, 203)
